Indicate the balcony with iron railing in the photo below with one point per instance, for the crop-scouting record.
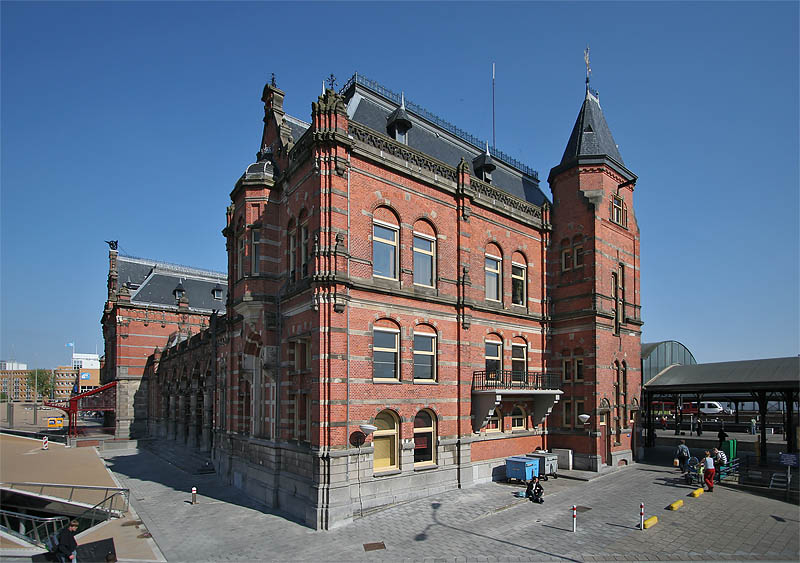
(490, 387)
(514, 380)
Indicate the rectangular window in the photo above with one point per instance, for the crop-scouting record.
(384, 452)
(578, 256)
(292, 256)
(302, 355)
(567, 415)
(385, 354)
(255, 267)
(492, 269)
(240, 257)
(384, 251)
(615, 301)
(579, 408)
(619, 213)
(518, 284)
(519, 363)
(423, 260)
(578, 369)
(566, 259)
(493, 360)
(567, 367)
(304, 250)
(424, 356)
(307, 433)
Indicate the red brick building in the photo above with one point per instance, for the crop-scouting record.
(406, 308)
(149, 302)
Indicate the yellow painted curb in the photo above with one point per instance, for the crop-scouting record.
(697, 492)
(676, 505)
(650, 522)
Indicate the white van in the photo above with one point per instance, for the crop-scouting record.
(706, 407)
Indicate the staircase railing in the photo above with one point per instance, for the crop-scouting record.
(34, 529)
(39, 488)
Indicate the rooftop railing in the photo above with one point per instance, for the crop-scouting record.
(439, 122)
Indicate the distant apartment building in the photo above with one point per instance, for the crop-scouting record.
(14, 385)
(12, 365)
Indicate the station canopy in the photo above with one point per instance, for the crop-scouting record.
(773, 374)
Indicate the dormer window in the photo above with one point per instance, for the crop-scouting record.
(398, 123)
(179, 292)
(484, 166)
(216, 293)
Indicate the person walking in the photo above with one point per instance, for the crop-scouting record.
(682, 455)
(699, 426)
(708, 471)
(722, 435)
(66, 551)
(752, 426)
(720, 459)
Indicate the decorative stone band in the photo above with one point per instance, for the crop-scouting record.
(508, 200)
(401, 151)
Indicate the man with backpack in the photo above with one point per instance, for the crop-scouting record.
(682, 455)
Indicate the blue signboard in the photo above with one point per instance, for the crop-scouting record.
(86, 375)
(789, 459)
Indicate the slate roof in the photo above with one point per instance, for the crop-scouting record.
(591, 135)
(152, 283)
(297, 127)
(747, 375)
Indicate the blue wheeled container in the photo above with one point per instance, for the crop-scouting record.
(522, 468)
(548, 464)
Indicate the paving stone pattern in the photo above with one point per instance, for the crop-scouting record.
(484, 523)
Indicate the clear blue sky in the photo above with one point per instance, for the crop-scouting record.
(132, 121)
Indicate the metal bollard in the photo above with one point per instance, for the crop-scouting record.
(44, 442)
(641, 516)
(194, 495)
(574, 518)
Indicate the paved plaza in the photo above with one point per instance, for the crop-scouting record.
(483, 523)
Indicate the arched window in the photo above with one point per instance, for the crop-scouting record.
(424, 254)
(424, 438)
(493, 268)
(424, 353)
(519, 420)
(495, 422)
(519, 280)
(385, 442)
(493, 356)
(519, 361)
(385, 351)
(385, 239)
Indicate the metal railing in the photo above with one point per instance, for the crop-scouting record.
(509, 379)
(32, 528)
(438, 121)
(108, 492)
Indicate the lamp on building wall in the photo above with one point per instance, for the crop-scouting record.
(584, 418)
(358, 439)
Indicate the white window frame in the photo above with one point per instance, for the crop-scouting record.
(498, 416)
(255, 244)
(575, 253)
(430, 254)
(524, 278)
(568, 421)
(566, 259)
(304, 254)
(524, 348)
(395, 351)
(431, 354)
(499, 356)
(390, 243)
(496, 272)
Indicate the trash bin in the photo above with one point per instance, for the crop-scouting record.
(522, 468)
(548, 464)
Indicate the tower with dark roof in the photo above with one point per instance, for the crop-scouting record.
(593, 262)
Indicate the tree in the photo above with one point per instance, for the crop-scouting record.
(40, 381)
(3, 396)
